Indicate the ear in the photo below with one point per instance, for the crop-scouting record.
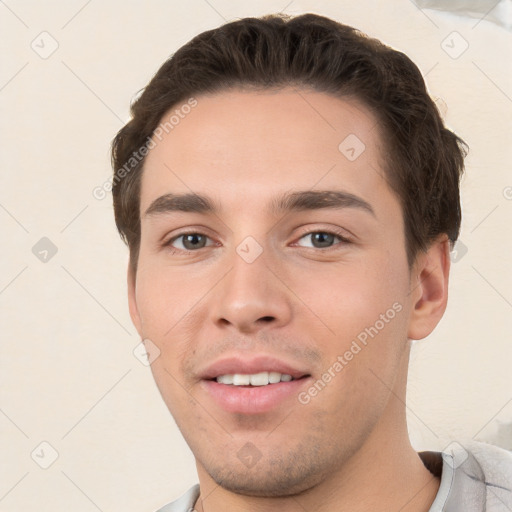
(429, 288)
(132, 300)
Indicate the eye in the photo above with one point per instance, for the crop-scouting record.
(188, 242)
(323, 239)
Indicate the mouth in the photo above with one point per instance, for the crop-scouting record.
(264, 378)
(253, 386)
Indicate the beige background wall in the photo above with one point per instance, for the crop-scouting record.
(68, 374)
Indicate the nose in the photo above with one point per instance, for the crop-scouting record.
(252, 296)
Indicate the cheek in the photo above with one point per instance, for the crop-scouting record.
(164, 297)
(169, 301)
(368, 314)
(347, 299)
(173, 390)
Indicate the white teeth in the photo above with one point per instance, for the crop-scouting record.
(259, 379)
(241, 380)
(225, 379)
(274, 377)
(255, 379)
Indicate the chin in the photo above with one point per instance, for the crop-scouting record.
(269, 485)
(272, 477)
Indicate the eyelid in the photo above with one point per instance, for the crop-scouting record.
(331, 229)
(166, 243)
(338, 232)
(187, 230)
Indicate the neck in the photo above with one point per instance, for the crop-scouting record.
(386, 473)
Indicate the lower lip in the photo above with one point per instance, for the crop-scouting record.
(254, 399)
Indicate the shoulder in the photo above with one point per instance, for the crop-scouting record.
(496, 462)
(490, 468)
(185, 503)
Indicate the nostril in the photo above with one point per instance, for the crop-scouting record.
(267, 318)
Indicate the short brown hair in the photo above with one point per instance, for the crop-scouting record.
(425, 160)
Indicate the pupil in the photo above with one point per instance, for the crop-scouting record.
(192, 240)
(325, 239)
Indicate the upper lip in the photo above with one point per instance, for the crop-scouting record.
(250, 365)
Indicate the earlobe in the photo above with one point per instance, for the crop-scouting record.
(429, 288)
(132, 300)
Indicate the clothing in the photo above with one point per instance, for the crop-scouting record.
(475, 477)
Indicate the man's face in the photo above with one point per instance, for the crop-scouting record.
(318, 293)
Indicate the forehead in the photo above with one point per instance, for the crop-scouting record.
(244, 147)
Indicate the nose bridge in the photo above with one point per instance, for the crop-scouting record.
(250, 295)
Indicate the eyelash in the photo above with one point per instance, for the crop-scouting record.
(337, 233)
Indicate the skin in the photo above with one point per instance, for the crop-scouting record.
(348, 448)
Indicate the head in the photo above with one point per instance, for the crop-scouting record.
(251, 140)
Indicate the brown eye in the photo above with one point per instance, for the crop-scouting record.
(188, 241)
(322, 239)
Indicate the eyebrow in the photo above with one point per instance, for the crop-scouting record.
(303, 200)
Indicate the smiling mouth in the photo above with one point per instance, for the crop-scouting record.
(242, 388)
(255, 379)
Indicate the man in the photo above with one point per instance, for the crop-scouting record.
(290, 196)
